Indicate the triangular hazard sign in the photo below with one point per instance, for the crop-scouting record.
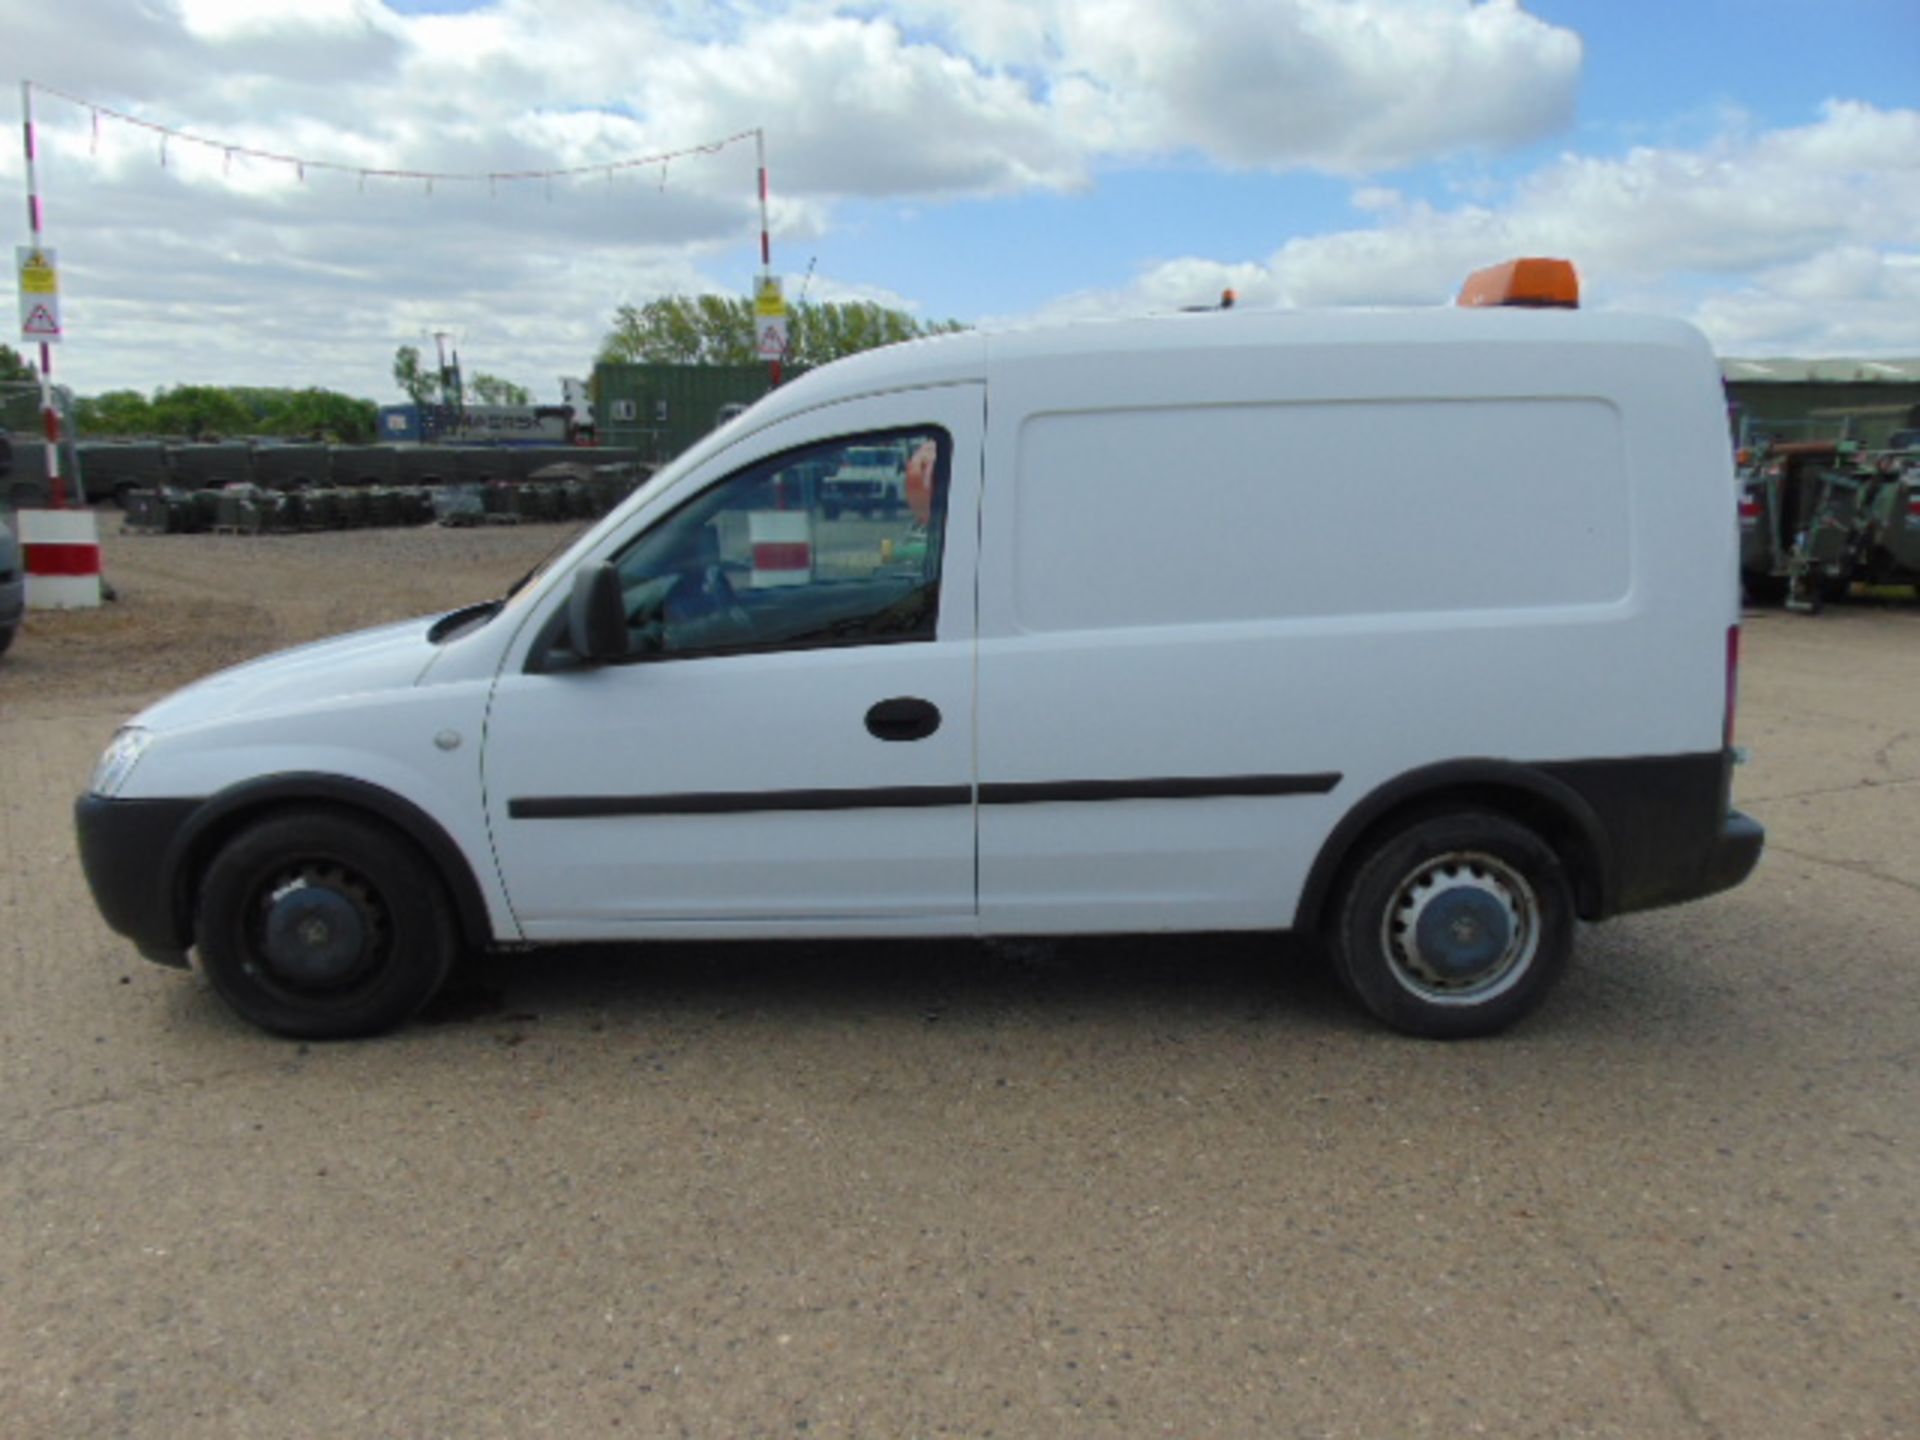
(40, 321)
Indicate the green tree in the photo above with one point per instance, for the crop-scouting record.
(200, 410)
(492, 390)
(14, 367)
(419, 384)
(718, 330)
(116, 412)
(321, 415)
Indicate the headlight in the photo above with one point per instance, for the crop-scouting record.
(117, 763)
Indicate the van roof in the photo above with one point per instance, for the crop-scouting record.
(966, 355)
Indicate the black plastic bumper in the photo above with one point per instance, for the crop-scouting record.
(125, 849)
(1667, 833)
(1741, 840)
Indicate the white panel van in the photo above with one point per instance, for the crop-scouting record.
(1413, 630)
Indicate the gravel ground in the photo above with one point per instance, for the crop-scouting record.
(1171, 1187)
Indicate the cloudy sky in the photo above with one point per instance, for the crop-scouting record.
(1752, 165)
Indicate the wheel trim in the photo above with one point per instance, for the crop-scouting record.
(1461, 928)
(319, 932)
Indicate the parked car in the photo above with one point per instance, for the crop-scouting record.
(869, 480)
(1414, 630)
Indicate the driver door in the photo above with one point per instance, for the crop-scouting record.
(790, 740)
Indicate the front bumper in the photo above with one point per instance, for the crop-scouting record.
(128, 849)
(13, 602)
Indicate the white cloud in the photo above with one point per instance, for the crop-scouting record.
(1797, 240)
(217, 263)
(1351, 86)
(1342, 85)
(220, 268)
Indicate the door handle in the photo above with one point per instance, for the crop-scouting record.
(906, 717)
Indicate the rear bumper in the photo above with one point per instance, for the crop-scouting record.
(1666, 831)
(126, 848)
(1741, 840)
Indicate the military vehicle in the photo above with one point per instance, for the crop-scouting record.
(1817, 516)
(1889, 521)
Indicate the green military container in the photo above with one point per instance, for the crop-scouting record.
(119, 467)
(291, 467)
(209, 466)
(481, 464)
(425, 465)
(364, 465)
(659, 410)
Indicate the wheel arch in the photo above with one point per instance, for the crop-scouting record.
(1550, 807)
(233, 809)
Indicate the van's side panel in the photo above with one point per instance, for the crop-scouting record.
(1270, 574)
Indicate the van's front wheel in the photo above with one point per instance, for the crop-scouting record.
(320, 925)
(1454, 926)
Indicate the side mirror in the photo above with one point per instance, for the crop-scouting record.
(597, 614)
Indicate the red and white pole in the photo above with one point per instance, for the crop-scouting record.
(766, 235)
(60, 547)
(49, 412)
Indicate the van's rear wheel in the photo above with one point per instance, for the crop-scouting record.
(1454, 926)
(320, 925)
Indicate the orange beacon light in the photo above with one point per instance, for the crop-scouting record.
(1534, 283)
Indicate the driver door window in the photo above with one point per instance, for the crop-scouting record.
(832, 544)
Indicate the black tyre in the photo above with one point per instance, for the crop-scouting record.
(6, 638)
(1763, 589)
(317, 924)
(1454, 926)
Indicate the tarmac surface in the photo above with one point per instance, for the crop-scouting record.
(1171, 1187)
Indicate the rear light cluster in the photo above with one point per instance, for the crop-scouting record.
(1749, 509)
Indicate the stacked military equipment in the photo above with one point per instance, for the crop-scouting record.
(255, 488)
(1818, 517)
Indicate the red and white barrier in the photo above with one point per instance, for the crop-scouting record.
(60, 551)
(782, 544)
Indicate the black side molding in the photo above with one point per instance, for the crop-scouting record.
(1199, 787)
(738, 802)
(907, 797)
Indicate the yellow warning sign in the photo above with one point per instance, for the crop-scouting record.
(768, 303)
(38, 274)
(39, 293)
